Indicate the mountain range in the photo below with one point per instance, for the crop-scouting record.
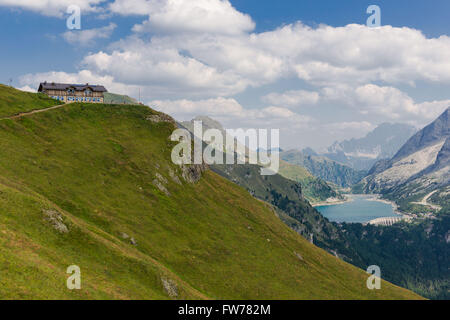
(396, 249)
(314, 189)
(324, 168)
(92, 185)
(381, 143)
(420, 169)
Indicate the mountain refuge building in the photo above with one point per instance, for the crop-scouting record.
(73, 92)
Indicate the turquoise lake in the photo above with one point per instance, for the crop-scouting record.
(361, 209)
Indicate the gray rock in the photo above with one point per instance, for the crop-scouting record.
(299, 256)
(161, 187)
(193, 173)
(174, 176)
(161, 178)
(56, 220)
(157, 118)
(170, 287)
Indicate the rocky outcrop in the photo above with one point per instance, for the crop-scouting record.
(193, 173)
(56, 220)
(170, 287)
(381, 143)
(405, 169)
(127, 237)
(159, 184)
(435, 132)
(174, 177)
(419, 167)
(157, 118)
(443, 157)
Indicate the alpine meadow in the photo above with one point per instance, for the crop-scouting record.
(225, 159)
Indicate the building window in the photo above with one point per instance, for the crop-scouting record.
(71, 91)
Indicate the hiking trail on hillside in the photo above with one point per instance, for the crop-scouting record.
(24, 114)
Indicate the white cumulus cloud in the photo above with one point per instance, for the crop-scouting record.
(165, 68)
(87, 37)
(387, 101)
(211, 16)
(292, 98)
(53, 7)
(231, 113)
(191, 57)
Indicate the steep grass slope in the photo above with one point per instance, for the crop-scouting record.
(287, 196)
(324, 168)
(13, 101)
(118, 98)
(314, 189)
(77, 183)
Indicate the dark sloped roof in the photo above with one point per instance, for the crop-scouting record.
(66, 86)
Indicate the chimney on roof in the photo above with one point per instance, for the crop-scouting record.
(45, 82)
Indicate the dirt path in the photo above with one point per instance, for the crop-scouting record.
(24, 114)
(425, 202)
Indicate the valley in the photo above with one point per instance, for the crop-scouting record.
(202, 152)
(359, 209)
(95, 187)
(181, 231)
(416, 180)
(358, 227)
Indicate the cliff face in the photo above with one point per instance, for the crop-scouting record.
(421, 165)
(437, 131)
(324, 168)
(381, 143)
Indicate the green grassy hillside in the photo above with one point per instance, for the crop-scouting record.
(13, 101)
(324, 168)
(287, 197)
(93, 186)
(118, 98)
(314, 189)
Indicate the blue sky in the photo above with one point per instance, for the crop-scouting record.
(310, 68)
(38, 52)
(432, 17)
